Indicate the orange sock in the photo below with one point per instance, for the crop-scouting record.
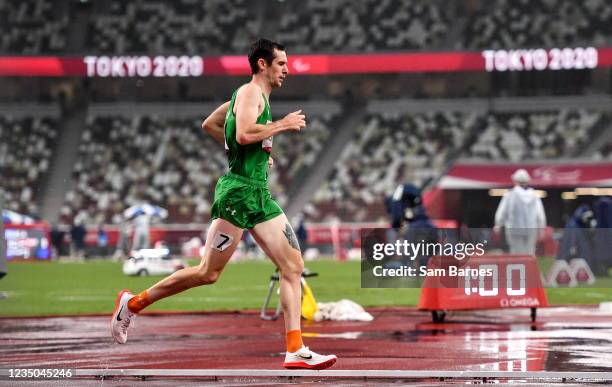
(294, 340)
(139, 302)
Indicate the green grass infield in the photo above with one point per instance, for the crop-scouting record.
(57, 288)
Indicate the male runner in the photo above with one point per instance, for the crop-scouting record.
(242, 200)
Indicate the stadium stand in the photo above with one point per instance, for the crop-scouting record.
(121, 159)
(144, 27)
(182, 27)
(169, 162)
(605, 152)
(33, 26)
(124, 160)
(345, 26)
(389, 147)
(296, 153)
(189, 27)
(538, 23)
(535, 135)
(26, 147)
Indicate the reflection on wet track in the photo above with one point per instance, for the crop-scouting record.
(563, 339)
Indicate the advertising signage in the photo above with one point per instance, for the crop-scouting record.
(129, 66)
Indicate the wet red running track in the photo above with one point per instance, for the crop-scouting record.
(563, 339)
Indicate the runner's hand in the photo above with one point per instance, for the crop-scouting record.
(294, 121)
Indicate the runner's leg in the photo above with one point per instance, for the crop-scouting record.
(221, 242)
(217, 252)
(277, 239)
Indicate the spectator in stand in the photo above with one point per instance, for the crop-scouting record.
(522, 215)
(25, 152)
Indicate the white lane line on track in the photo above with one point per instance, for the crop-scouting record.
(339, 373)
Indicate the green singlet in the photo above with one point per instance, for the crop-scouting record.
(242, 196)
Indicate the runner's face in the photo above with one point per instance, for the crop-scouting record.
(278, 70)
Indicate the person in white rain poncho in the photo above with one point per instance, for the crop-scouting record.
(522, 215)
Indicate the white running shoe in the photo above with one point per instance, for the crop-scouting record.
(120, 322)
(304, 358)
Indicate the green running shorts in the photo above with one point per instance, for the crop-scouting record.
(243, 202)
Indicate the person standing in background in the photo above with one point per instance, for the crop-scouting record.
(521, 213)
(77, 234)
(57, 240)
(123, 243)
(142, 227)
(300, 230)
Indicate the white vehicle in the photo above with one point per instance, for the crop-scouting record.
(145, 262)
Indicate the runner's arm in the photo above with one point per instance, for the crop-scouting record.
(214, 124)
(247, 130)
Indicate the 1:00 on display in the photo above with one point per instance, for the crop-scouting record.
(471, 287)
